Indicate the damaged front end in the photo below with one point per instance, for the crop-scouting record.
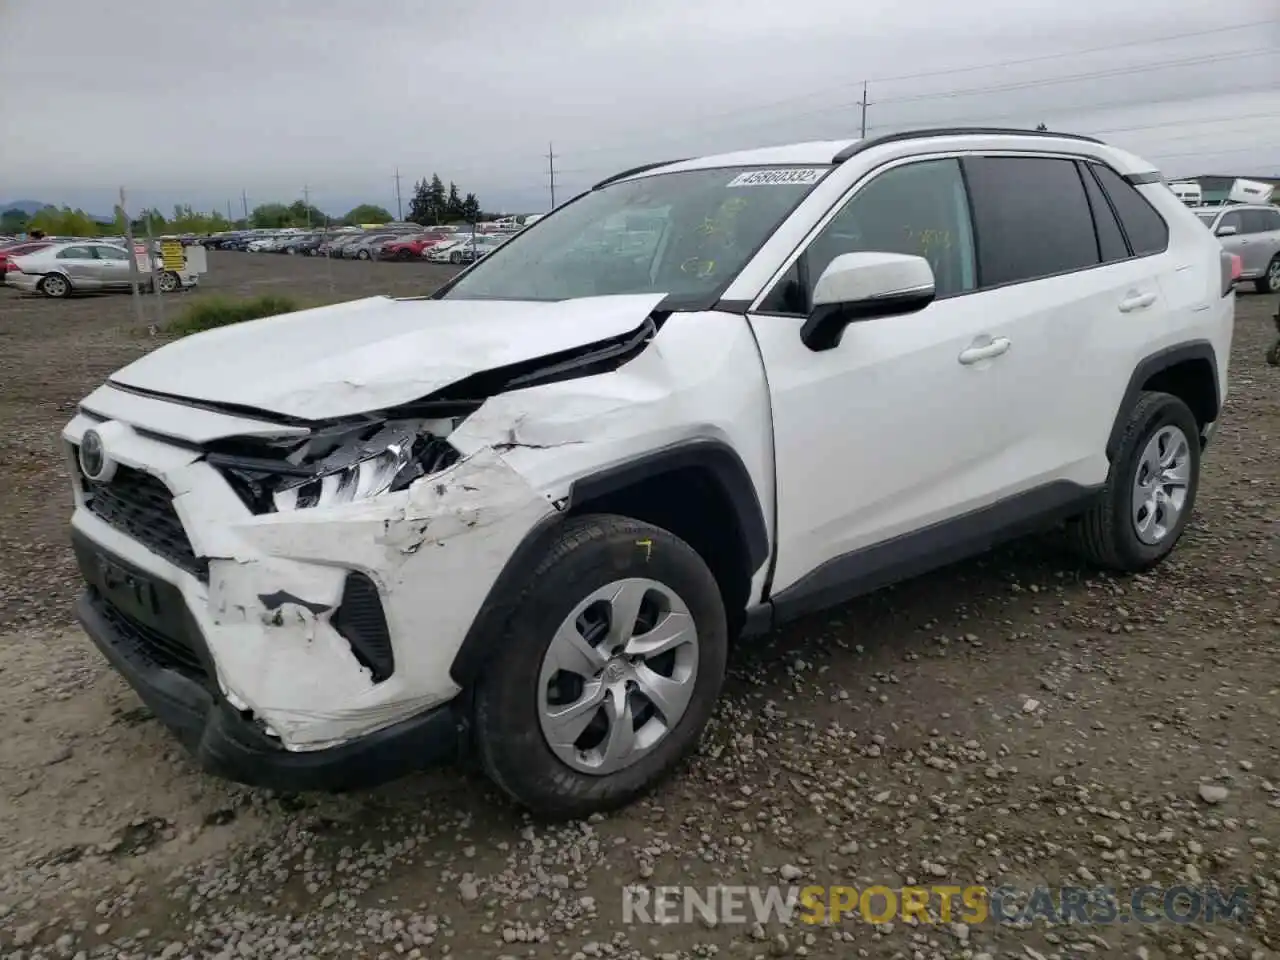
(314, 583)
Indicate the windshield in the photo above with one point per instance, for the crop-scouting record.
(685, 235)
(1207, 218)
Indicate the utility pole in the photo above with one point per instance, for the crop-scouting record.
(229, 220)
(306, 202)
(135, 274)
(244, 202)
(864, 103)
(551, 172)
(399, 205)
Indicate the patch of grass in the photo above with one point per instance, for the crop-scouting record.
(209, 313)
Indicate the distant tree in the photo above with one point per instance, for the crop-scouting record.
(150, 218)
(14, 221)
(304, 215)
(439, 199)
(453, 204)
(471, 208)
(367, 213)
(1041, 127)
(64, 222)
(420, 205)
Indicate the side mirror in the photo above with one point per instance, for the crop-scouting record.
(861, 286)
(1226, 230)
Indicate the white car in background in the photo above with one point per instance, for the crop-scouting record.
(525, 516)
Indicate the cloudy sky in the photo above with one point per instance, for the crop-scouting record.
(196, 102)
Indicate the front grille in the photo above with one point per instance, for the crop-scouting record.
(161, 650)
(359, 618)
(141, 506)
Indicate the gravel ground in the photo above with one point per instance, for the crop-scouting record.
(1015, 719)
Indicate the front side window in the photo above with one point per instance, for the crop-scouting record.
(110, 253)
(685, 235)
(918, 208)
(1032, 218)
(1232, 219)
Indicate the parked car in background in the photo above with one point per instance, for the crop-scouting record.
(20, 248)
(305, 245)
(333, 246)
(1252, 232)
(479, 247)
(413, 247)
(83, 266)
(367, 247)
(441, 252)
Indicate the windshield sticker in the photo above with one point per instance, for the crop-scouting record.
(787, 176)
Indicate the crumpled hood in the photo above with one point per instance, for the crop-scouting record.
(378, 352)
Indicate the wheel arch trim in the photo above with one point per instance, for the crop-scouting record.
(1153, 364)
(721, 463)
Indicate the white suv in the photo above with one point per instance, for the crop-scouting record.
(524, 517)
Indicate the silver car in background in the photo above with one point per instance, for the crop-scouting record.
(1252, 232)
(81, 266)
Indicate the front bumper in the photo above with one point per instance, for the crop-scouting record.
(323, 625)
(219, 737)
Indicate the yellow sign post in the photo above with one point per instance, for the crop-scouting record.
(172, 255)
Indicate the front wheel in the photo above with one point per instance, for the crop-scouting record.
(1269, 282)
(362, 254)
(610, 668)
(169, 282)
(1150, 490)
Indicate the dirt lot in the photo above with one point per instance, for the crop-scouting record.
(1016, 719)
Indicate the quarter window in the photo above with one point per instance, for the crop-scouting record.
(1147, 232)
(1111, 243)
(1031, 216)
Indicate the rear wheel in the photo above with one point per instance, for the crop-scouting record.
(1269, 282)
(611, 664)
(404, 253)
(55, 285)
(362, 254)
(1150, 491)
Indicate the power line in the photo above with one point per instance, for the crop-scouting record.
(810, 95)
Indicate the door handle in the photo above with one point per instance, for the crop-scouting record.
(1136, 301)
(986, 351)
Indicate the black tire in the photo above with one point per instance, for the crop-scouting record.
(55, 285)
(404, 253)
(362, 255)
(590, 552)
(1269, 282)
(455, 257)
(1273, 355)
(1105, 535)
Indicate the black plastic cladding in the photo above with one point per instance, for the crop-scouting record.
(862, 145)
(644, 167)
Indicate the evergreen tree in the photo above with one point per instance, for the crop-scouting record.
(439, 198)
(453, 206)
(420, 205)
(471, 208)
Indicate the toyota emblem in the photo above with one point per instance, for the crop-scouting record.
(94, 462)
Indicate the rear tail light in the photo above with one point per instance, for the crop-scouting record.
(11, 267)
(1232, 267)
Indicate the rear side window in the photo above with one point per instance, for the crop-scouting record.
(1260, 221)
(1110, 240)
(1147, 232)
(1031, 218)
(75, 253)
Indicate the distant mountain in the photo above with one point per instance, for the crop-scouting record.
(31, 207)
(26, 206)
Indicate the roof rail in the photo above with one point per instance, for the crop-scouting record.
(861, 145)
(634, 170)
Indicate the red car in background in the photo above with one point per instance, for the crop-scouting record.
(20, 249)
(413, 247)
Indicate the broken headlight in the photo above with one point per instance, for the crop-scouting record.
(356, 471)
(333, 467)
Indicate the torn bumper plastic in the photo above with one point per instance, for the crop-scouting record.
(226, 744)
(251, 618)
